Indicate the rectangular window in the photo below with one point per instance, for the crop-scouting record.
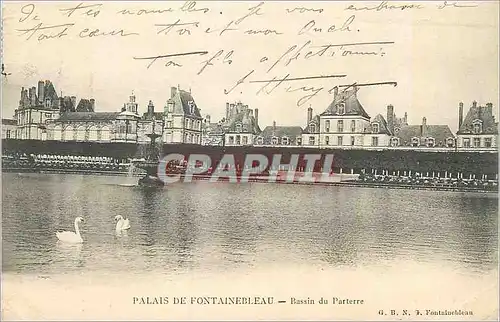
(238, 139)
(8, 134)
(353, 126)
(231, 140)
(284, 141)
(466, 143)
(374, 141)
(487, 142)
(327, 126)
(327, 140)
(352, 140)
(339, 140)
(245, 140)
(312, 140)
(340, 126)
(477, 142)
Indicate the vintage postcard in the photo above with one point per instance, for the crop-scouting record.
(223, 160)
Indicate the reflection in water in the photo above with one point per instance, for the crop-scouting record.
(220, 226)
(70, 254)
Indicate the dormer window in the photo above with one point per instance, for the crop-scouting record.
(170, 106)
(260, 140)
(299, 140)
(394, 141)
(415, 141)
(312, 128)
(191, 107)
(47, 103)
(476, 127)
(284, 140)
(375, 128)
(431, 142)
(238, 127)
(450, 142)
(341, 109)
(274, 140)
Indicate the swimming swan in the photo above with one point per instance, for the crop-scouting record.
(122, 224)
(69, 236)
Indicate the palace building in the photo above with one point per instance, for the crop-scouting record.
(344, 124)
(183, 120)
(478, 129)
(42, 115)
(239, 127)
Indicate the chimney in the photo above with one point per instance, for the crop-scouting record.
(474, 104)
(92, 105)
(208, 118)
(390, 118)
(32, 96)
(173, 91)
(73, 101)
(62, 108)
(274, 126)
(232, 110)
(41, 92)
(227, 111)
(424, 127)
(489, 109)
(151, 110)
(257, 117)
(406, 118)
(460, 114)
(309, 114)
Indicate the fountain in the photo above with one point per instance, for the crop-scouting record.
(150, 164)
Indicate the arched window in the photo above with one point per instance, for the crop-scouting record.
(274, 140)
(415, 141)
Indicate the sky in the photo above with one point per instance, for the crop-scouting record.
(438, 54)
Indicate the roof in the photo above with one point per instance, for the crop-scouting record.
(241, 114)
(382, 124)
(128, 113)
(352, 105)
(157, 115)
(85, 105)
(9, 122)
(482, 113)
(88, 116)
(314, 120)
(182, 103)
(281, 131)
(439, 132)
(214, 129)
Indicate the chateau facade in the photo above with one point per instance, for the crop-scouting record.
(182, 118)
(345, 124)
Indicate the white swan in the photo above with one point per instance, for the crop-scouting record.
(122, 224)
(69, 236)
